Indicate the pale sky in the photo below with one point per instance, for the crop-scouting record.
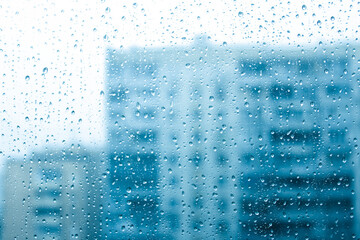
(63, 103)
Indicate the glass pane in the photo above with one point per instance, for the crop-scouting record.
(179, 120)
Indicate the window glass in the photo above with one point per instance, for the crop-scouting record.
(156, 119)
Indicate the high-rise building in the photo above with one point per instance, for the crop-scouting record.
(298, 160)
(54, 194)
(231, 142)
(169, 141)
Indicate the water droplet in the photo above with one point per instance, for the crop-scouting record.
(240, 14)
(45, 70)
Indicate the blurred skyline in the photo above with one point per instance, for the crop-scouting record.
(188, 106)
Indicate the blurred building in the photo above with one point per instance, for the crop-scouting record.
(230, 142)
(172, 174)
(54, 194)
(299, 126)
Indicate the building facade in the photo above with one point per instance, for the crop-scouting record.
(299, 166)
(231, 142)
(54, 194)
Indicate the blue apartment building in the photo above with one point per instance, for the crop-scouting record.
(231, 142)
